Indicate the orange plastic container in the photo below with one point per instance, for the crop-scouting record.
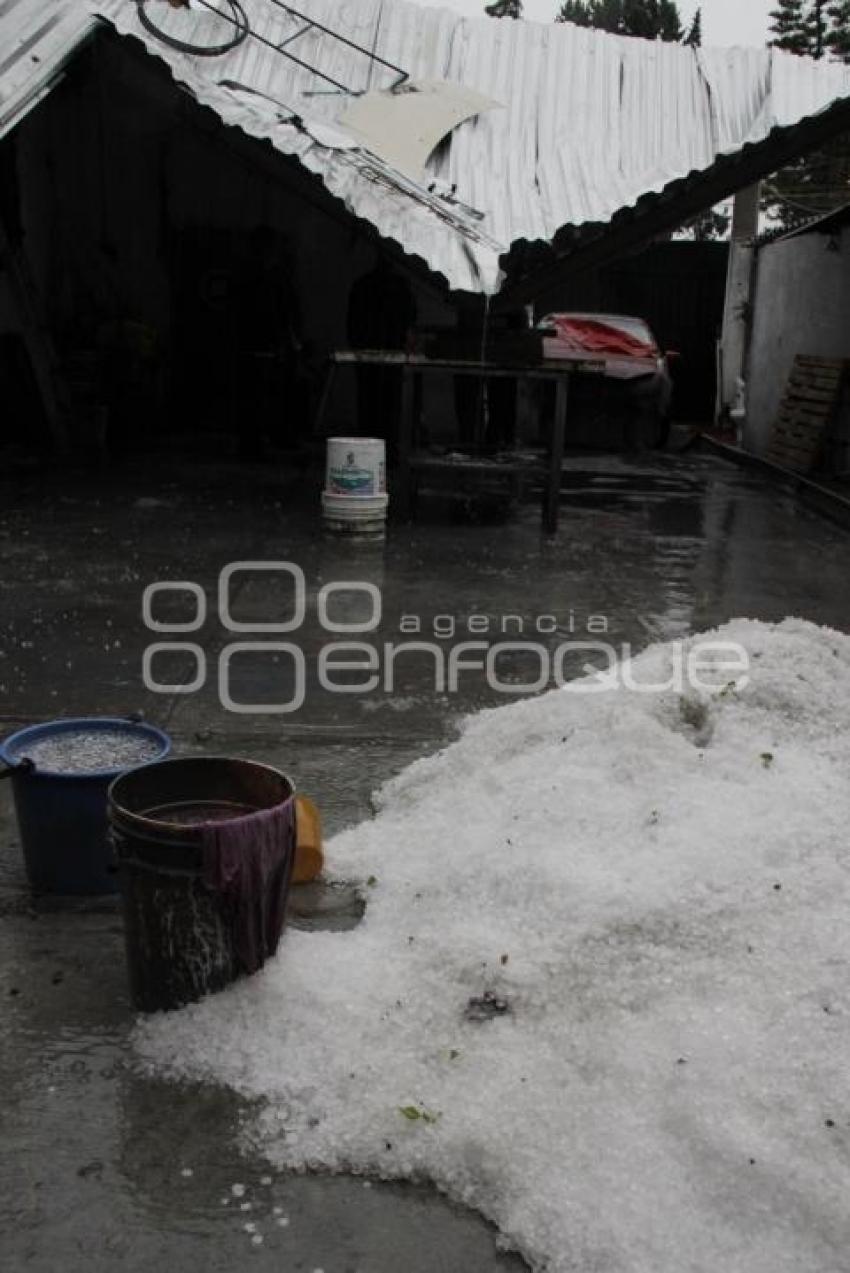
(309, 858)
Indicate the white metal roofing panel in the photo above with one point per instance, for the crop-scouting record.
(36, 39)
(591, 122)
(279, 108)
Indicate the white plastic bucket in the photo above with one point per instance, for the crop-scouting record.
(356, 467)
(355, 514)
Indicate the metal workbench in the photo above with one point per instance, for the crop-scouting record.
(413, 365)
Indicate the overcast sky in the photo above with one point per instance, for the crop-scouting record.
(724, 21)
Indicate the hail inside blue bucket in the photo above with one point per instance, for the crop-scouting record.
(61, 771)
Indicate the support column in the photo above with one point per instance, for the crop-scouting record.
(736, 310)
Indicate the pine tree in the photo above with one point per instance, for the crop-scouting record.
(694, 36)
(788, 26)
(812, 27)
(504, 9)
(816, 28)
(838, 38)
(652, 19)
(606, 15)
(709, 225)
(669, 21)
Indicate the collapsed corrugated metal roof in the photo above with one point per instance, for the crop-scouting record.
(591, 123)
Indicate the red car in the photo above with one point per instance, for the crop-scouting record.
(625, 391)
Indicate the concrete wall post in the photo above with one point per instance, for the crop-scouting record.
(736, 310)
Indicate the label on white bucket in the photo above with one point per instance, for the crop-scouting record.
(356, 466)
(351, 480)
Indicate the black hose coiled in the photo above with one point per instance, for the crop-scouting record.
(237, 17)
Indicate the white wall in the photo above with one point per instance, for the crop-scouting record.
(801, 306)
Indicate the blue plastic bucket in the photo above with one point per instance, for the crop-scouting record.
(62, 815)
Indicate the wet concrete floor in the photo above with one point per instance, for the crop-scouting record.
(103, 1168)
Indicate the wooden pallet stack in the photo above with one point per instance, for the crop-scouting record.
(808, 409)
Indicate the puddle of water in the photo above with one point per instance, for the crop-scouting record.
(108, 1168)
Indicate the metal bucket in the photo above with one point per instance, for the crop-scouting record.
(62, 814)
(178, 933)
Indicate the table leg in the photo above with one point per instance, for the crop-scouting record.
(319, 417)
(402, 496)
(552, 495)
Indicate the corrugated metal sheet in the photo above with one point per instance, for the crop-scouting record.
(591, 122)
(275, 92)
(36, 39)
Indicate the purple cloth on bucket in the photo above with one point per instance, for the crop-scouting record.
(249, 860)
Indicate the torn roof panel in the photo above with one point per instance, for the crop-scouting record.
(592, 123)
(404, 126)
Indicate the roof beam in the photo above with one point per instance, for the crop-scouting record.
(634, 227)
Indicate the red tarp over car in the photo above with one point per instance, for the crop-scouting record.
(594, 336)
